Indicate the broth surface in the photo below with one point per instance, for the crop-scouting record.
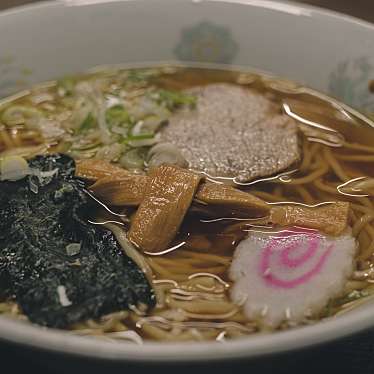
(191, 281)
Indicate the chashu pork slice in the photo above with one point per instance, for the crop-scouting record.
(234, 132)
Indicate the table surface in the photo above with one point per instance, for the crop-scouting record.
(354, 355)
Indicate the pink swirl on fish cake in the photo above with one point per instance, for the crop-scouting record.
(277, 246)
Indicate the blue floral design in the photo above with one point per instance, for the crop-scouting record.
(350, 83)
(207, 42)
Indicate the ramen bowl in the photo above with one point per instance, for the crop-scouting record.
(323, 50)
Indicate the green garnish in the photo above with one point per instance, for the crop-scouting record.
(174, 99)
(88, 123)
(16, 115)
(136, 76)
(131, 138)
(66, 85)
(117, 115)
(141, 76)
(133, 159)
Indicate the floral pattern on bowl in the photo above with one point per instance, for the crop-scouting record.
(207, 42)
(351, 82)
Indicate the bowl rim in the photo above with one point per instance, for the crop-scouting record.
(285, 6)
(61, 342)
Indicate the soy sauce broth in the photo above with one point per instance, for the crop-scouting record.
(332, 136)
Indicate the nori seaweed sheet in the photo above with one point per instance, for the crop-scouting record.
(35, 229)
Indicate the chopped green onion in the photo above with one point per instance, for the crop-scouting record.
(174, 99)
(85, 145)
(16, 115)
(138, 137)
(88, 123)
(133, 159)
(117, 115)
(136, 76)
(142, 75)
(66, 86)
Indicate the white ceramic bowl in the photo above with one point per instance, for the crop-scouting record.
(324, 50)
